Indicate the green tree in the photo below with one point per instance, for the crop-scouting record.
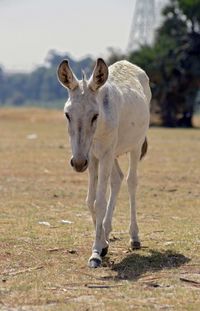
(173, 62)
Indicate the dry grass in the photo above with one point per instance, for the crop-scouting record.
(45, 267)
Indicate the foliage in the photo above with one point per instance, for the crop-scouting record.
(173, 63)
(191, 8)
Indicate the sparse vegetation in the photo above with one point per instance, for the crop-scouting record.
(43, 266)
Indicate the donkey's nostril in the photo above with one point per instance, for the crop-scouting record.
(86, 163)
(72, 162)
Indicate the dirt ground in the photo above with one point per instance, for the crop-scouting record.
(46, 231)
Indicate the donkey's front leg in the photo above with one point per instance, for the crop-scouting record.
(100, 243)
(92, 186)
(115, 183)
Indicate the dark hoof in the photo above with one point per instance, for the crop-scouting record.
(104, 251)
(135, 245)
(94, 263)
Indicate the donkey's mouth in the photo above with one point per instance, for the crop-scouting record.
(81, 170)
(79, 167)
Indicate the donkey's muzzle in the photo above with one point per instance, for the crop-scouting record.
(79, 165)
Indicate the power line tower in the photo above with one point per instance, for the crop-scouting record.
(145, 19)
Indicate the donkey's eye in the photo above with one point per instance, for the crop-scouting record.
(94, 118)
(67, 116)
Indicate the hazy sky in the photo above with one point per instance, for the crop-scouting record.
(30, 28)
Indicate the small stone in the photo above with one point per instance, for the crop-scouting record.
(45, 223)
(66, 222)
(72, 251)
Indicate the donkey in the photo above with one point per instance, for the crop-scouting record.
(108, 115)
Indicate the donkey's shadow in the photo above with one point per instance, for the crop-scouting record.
(134, 265)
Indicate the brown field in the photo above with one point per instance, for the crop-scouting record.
(44, 267)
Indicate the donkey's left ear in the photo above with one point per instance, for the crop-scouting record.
(99, 75)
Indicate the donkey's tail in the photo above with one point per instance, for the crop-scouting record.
(144, 148)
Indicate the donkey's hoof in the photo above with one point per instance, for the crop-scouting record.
(94, 263)
(104, 251)
(135, 245)
(95, 260)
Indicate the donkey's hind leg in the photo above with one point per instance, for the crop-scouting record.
(132, 185)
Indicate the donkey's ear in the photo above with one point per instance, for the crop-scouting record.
(66, 77)
(99, 75)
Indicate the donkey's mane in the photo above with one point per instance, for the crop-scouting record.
(84, 82)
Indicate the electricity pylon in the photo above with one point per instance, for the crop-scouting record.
(146, 17)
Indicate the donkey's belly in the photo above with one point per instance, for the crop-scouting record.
(132, 131)
(128, 143)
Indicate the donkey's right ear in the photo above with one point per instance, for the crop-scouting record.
(99, 75)
(66, 76)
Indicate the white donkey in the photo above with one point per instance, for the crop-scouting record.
(107, 117)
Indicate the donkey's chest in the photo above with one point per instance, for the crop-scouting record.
(104, 143)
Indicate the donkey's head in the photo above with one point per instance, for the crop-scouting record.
(82, 109)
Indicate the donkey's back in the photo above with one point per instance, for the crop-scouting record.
(129, 77)
(134, 96)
